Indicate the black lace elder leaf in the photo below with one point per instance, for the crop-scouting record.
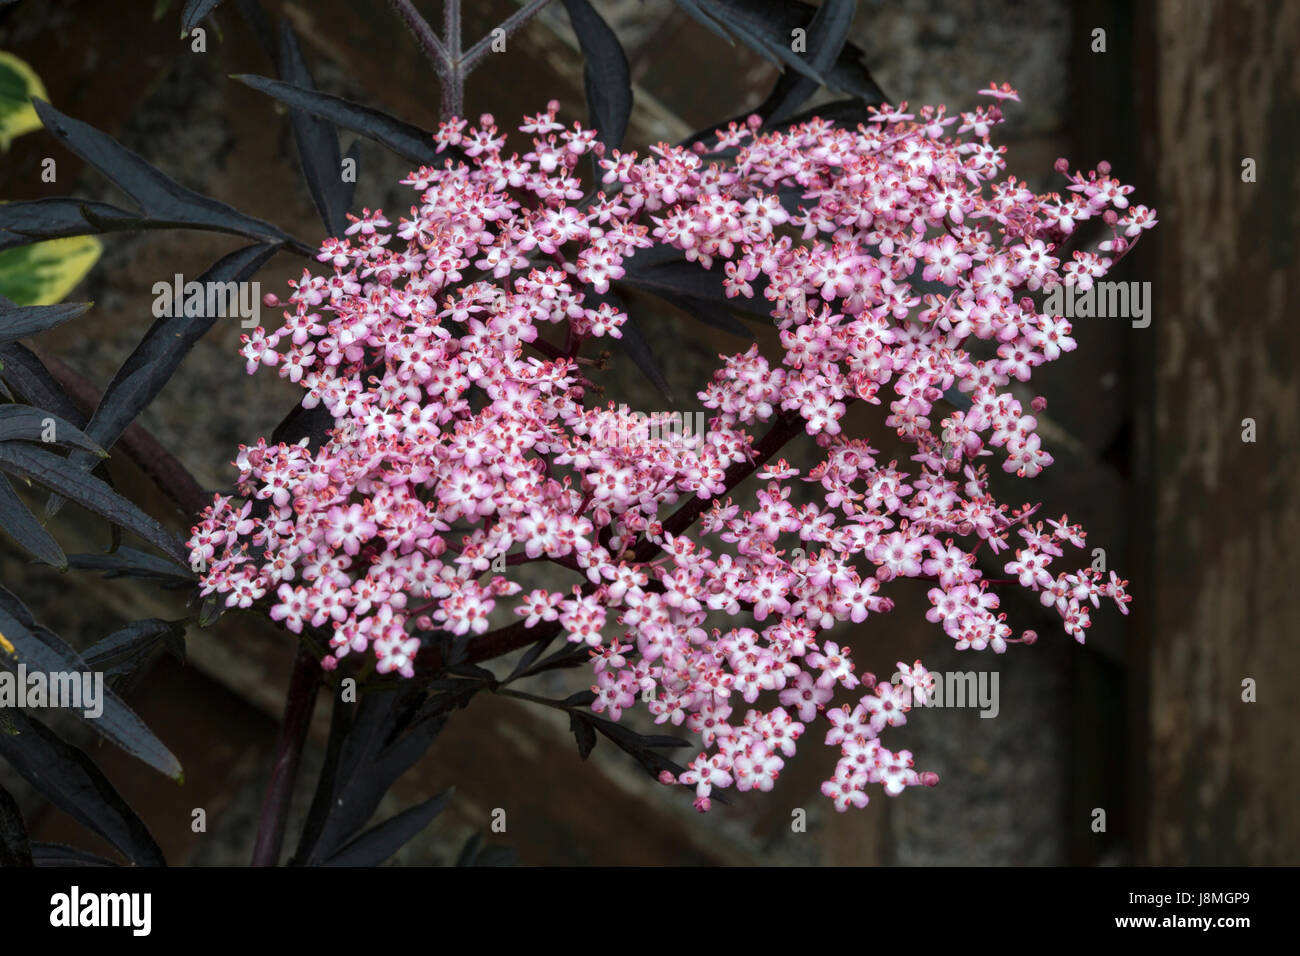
(644, 749)
(18, 522)
(758, 24)
(40, 649)
(160, 353)
(474, 853)
(71, 781)
(827, 33)
(312, 423)
(766, 26)
(404, 139)
(31, 220)
(318, 143)
(633, 342)
(163, 201)
(605, 73)
(583, 732)
(839, 64)
(380, 842)
(128, 649)
(638, 349)
(20, 321)
(24, 423)
(64, 478)
(679, 277)
(194, 11)
(32, 381)
(384, 739)
(710, 313)
(59, 854)
(15, 850)
(130, 563)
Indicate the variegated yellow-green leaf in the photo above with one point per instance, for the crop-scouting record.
(44, 272)
(18, 84)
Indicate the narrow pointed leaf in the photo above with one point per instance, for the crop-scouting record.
(15, 850)
(153, 362)
(71, 781)
(24, 423)
(130, 648)
(827, 33)
(689, 278)
(318, 143)
(61, 476)
(58, 854)
(20, 321)
(379, 843)
(42, 650)
(19, 523)
(159, 196)
(33, 220)
(638, 350)
(710, 313)
(401, 137)
(606, 76)
(29, 377)
(194, 12)
(129, 563)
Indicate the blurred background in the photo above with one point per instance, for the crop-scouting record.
(1145, 722)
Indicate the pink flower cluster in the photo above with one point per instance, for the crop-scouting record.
(425, 343)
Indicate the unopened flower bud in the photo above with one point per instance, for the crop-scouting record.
(1029, 637)
(928, 778)
(1062, 165)
(1039, 403)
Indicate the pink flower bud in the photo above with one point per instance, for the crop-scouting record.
(928, 778)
